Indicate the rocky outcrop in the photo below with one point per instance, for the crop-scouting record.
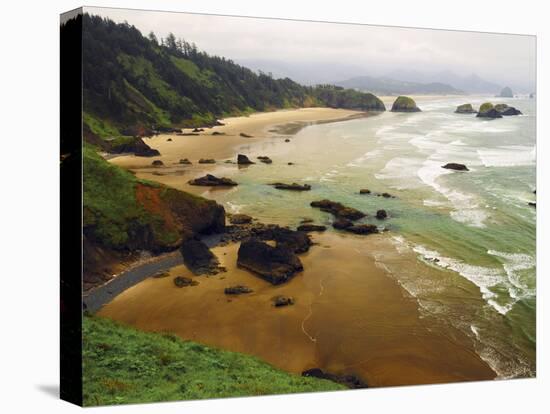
(465, 109)
(265, 159)
(342, 224)
(237, 290)
(455, 166)
(338, 209)
(506, 92)
(404, 104)
(279, 301)
(275, 264)
(207, 161)
(213, 181)
(487, 110)
(292, 187)
(133, 145)
(198, 258)
(240, 219)
(157, 163)
(185, 161)
(310, 227)
(243, 160)
(350, 381)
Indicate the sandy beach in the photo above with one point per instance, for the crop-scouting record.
(350, 317)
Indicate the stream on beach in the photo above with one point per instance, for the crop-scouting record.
(448, 293)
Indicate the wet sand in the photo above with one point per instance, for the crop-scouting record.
(349, 317)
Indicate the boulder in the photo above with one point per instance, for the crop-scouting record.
(218, 133)
(265, 160)
(240, 219)
(274, 264)
(381, 214)
(362, 229)
(506, 110)
(338, 209)
(404, 104)
(157, 163)
(532, 204)
(385, 195)
(279, 301)
(134, 145)
(350, 381)
(465, 109)
(243, 160)
(198, 257)
(237, 290)
(292, 187)
(182, 281)
(341, 224)
(310, 227)
(296, 241)
(455, 166)
(287, 140)
(169, 140)
(506, 92)
(242, 134)
(207, 161)
(364, 191)
(210, 180)
(185, 161)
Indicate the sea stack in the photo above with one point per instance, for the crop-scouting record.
(487, 110)
(506, 92)
(465, 109)
(404, 104)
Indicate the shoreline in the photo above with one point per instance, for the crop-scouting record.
(387, 370)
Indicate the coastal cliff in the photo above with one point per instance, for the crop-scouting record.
(123, 215)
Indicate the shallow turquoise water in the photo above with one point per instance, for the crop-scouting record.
(462, 243)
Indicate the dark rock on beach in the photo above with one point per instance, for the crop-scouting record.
(242, 134)
(243, 160)
(350, 381)
(211, 180)
(265, 160)
(157, 163)
(287, 140)
(404, 104)
(218, 133)
(364, 191)
(455, 166)
(182, 281)
(279, 301)
(532, 204)
(362, 229)
(207, 161)
(338, 209)
(292, 187)
(381, 214)
(237, 290)
(198, 257)
(169, 140)
(184, 161)
(341, 224)
(311, 227)
(274, 264)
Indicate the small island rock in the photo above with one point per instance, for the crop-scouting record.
(404, 104)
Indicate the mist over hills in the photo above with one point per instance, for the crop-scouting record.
(389, 86)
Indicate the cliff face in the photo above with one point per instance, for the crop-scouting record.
(124, 215)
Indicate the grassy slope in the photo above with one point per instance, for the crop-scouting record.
(123, 365)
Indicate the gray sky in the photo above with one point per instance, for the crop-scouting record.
(312, 52)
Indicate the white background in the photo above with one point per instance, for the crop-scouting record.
(29, 219)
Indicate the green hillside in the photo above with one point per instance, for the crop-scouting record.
(123, 365)
(133, 84)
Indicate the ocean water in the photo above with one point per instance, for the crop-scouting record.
(462, 243)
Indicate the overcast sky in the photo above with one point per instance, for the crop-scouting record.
(321, 52)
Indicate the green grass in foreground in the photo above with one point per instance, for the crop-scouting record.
(123, 365)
